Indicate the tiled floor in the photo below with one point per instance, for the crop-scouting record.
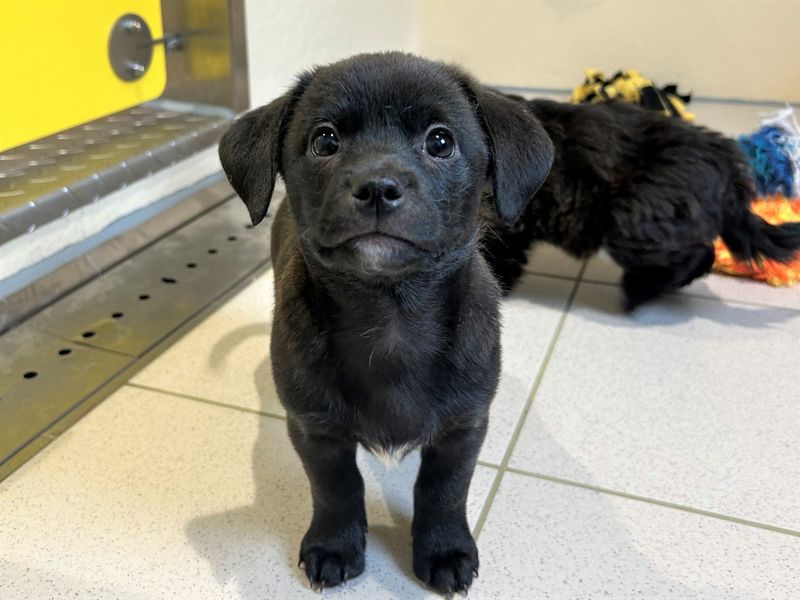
(653, 455)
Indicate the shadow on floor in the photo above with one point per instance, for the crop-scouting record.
(255, 547)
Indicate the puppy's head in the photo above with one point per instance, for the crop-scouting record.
(385, 159)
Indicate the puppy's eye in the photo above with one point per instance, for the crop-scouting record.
(325, 142)
(440, 143)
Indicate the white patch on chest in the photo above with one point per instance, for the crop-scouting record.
(391, 457)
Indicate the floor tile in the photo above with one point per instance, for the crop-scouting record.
(529, 316)
(741, 289)
(153, 496)
(548, 540)
(226, 357)
(687, 400)
(602, 268)
(547, 259)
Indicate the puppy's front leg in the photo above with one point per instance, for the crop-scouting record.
(332, 550)
(445, 555)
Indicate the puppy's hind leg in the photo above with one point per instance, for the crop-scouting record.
(445, 555)
(332, 550)
(643, 282)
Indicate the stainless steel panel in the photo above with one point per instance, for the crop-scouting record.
(134, 305)
(19, 305)
(42, 377)
(47, 179)
(47, 381)
(211, 67)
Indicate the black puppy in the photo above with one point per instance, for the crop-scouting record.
(385, 331)
(654, 191)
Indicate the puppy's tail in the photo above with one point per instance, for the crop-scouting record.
(749, 237)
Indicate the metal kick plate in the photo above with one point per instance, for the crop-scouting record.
(21, 304)
(58, 364)
(49, 178)
(42, 377)
(134, 305)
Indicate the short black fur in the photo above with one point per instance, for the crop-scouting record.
(654, 191)
(386, 330)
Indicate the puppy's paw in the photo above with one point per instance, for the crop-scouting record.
(331, 560)
(447, 567)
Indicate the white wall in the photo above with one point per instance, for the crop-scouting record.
(723, 48)
(285, 37)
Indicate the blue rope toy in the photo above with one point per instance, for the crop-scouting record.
(773, 152)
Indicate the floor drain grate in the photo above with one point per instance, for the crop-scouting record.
(65, 359)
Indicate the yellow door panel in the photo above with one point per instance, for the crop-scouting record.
(55, 68)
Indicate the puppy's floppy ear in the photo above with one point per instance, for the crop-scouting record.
(521, 151)
(250, 151)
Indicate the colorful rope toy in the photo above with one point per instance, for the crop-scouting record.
(632, 86)
(775, 210)
(773, 152)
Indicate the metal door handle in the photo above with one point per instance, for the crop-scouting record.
(174, 42)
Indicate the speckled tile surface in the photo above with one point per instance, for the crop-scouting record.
(602, 268)
(547, 259)
(153, 496)
(548, 540)
(226, 357)
(688, 400)
(529, 316)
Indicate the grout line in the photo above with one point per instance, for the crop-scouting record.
(551, 275)
(262, 413)
(655, 501)
(523, 416)
(487, 504)
(601, 282)
(490, 465)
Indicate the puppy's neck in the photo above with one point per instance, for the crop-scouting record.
(411, 295)
(402, 320)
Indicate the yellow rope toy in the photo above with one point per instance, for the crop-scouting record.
(632, 86)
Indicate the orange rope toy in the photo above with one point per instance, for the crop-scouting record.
(774, 210)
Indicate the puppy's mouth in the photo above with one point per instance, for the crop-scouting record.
(374, 251)
(373, 239)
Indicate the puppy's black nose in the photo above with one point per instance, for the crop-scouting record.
(385, 193)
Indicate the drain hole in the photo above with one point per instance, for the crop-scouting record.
(144, 297)
(64, 351)
(191, 265)
(30, 374)
(231, 238)
(88, 334)
(117, 315)
(169, 280)
(212, 250)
